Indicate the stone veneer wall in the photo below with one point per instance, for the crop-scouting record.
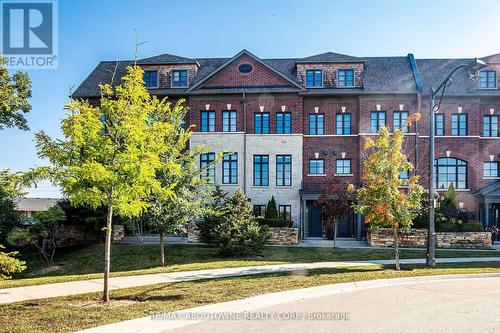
(418, 238)
(283, 236)
(277, 236)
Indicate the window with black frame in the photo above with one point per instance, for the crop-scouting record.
(450, 170)
(490, 169)
(377, 120)
(459, 124)
(261, 123)
(285, 212)
(261, 170)
(179, 78)
(314, 78)
(283, 123)
(207, 166)
(230, 168)
(343, 123)
(490, 126)
(439, 124)
(399, 121)
(345, 78)
(316, 124)
(229, 121)
(283, 170)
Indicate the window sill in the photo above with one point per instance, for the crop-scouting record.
(229, 184)
(491, 178)
(456, 190)
(343, 175)
(316, 175)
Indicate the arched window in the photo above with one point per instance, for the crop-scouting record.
(450, 170)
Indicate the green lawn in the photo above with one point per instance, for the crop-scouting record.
(66, 314)
(87, 262)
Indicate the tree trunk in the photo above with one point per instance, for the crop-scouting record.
(396, 247)
(162, 251)
(107, 248)
(138, 231)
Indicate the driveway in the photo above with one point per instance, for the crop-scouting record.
(468, 305)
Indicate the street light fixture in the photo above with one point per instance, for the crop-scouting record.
(473, 67)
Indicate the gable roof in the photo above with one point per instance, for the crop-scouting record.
(492, 59)
(238, 55)
(165, 59)
(35, 204)
(329, 57)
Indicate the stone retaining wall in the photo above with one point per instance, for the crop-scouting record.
(73, 235)
(194, 234)
(418, 238)
(283, 236)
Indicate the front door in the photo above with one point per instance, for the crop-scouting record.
(345, 226)
(495, 220)
(315, 225)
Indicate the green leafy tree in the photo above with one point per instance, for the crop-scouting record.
(383, 201)
(9, 218)
(41, 233)
(15, 91)
(239, 234)
(9, 264)
(449, 200)
(169, 214)
(271, 209)
(111, 153)
(213, 216)
(335, 202)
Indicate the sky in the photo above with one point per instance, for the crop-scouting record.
(94, 30)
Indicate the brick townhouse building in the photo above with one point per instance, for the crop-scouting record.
(292, 124)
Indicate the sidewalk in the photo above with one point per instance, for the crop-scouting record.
(11, 295)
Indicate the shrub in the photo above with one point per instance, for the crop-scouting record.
(472, 227)
(449, 200)
(271, 210)
(275, 223)
(9, 264)
(448, 227)
(207, 228)
(239, 234)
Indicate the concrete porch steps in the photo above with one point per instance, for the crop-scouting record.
(341, 243)
(152, 240)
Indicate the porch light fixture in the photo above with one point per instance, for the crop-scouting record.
(492, 111)
(228, 106)
(343, 154)
(207, 107)
(316, 155)
(343, 109)
(492, 157)
(378, 106)
(473, 66)
(261, 108)
(448, 153)
(401, 107)
(459, 109)
(461, 205)
(316, 109)
(283, 108)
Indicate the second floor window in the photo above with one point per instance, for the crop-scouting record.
(228, 121)
(399, 118)
(207, 121)
(343, 123)
(316, 124)
(439, 124)
(459, 124)
(450, 171)
(150, 79)
(345, 78)
(316, 167)
(283, 170)
(377, 120)
(314, 78)
(283, 123)
(490, 169)
(230, 168)
(285, 212)
(261, 123)
(487, 79)
(179, 78)
(261, 170)
(490, 126)
(343, 166)
(207, 166)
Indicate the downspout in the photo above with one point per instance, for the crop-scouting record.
(420, 88)
(244, 144)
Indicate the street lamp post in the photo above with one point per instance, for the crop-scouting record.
(473, 67)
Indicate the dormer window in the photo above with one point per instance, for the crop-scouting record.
(179, 78)
(150, 79)
(345, 78)
(314, 78)
(487, 79)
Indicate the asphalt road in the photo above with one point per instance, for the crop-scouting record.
(446, 306)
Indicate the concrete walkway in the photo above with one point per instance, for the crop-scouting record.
(447, 303)
(11, 295)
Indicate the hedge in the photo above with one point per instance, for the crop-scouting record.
(275, 223)
(464, 227)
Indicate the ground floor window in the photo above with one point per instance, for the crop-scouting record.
(490, 169)
(343, 166)
(285, 212)
(259, 210)
(450, 171)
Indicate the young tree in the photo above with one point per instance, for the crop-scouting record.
(271, 210)
(335, 202)
(383, 201)
(9, 219)
(42, 233)
(15, 91)
(111, 153)
(239, 234)
(449, 200)
(9, 264)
